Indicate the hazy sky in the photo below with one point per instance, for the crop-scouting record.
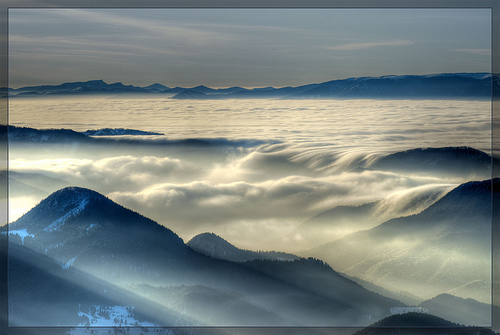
(242, 47)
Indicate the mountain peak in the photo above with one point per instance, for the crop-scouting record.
(70, 197)
(215, 246)
(58, 208)
(67, 221)
(74, 191)
(156, 87)
(212, 245)
(190, 94)
(199, 87)
(97, 81)
(208, 237)
(76, 209)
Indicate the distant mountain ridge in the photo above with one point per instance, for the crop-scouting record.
(91, 86)
(444, 85)
(117, 132)
(420, 324)
(463, 160)
(215, 246)
(67, 136)
(455, 309)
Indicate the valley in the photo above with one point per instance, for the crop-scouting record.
(106, 255)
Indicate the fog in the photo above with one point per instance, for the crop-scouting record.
(347, 124)
(264, 167)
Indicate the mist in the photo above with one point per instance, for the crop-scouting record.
(296, 160)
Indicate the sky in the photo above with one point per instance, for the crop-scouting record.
(242, 47)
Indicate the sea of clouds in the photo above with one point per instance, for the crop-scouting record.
(265, 166)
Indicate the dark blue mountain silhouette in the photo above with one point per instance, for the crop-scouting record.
(456, 160)
(215, 246)
(443, 86)
(81, 230)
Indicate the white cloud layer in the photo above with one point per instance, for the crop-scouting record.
(283, 161)
(266, 210)
(113, 173)
(483, 52)
(267, 192)
(368, 45)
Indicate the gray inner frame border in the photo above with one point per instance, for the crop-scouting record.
(494, 5)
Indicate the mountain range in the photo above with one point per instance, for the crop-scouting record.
(90, 251)
(449, 307)
(77, 236)
(444, 248)
(80, 254)
(435, 86)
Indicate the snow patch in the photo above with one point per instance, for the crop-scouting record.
(62, 220)
(69, 263)
(113, 316)
(21, 232)
(115, 331)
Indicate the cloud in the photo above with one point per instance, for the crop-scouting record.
(253, 195)
(273, 161)
(19, 206)
(411, 201)
(122, 24)
(199, 206)
(110, 174)
(368, 45)
(258, 215)
(202, 202)
(484, 52)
